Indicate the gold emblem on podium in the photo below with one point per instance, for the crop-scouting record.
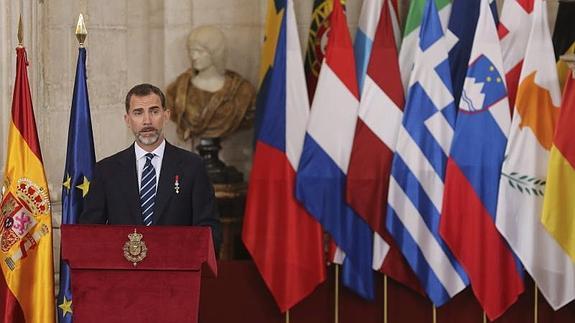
(135, 249)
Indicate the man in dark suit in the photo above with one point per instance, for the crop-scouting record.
(151, 182)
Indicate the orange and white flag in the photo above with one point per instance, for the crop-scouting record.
(522, 182)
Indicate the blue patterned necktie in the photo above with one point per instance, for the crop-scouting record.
(148, 190)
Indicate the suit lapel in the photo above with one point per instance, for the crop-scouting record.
(166, 183)
(128, 183)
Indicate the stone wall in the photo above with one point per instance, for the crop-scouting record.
(129, 42)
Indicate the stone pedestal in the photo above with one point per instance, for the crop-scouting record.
(231, 199)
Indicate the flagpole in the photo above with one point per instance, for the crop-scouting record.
(384, 298)
(81, 31)
(26, 173)
(287, 316)
(535, 306)
(434, 314)
(484, 317)
(64, 299)
(20, 33)
(336, 307)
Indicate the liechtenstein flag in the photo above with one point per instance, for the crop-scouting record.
(323, 166)
(473, 172)
(285, 242)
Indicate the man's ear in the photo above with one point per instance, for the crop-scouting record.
(126, 120)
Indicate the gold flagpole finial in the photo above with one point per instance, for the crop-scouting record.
(20, 33)
(570, 60)
(81, 31)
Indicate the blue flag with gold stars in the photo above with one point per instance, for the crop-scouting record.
(80, 160)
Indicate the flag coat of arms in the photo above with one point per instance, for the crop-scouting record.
(418, 168)
(285, 242)
(473, 172)
(317, 38)
(27, 282)
(524, 171)
(323, 166)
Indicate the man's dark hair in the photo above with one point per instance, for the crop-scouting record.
(143, 90)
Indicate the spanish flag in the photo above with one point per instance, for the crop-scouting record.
(558, 205)
(27, 282)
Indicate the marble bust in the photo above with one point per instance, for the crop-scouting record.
(208, 101)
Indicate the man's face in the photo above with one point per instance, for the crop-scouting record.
(146, 118)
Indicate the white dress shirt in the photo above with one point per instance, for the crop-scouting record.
(156, 161)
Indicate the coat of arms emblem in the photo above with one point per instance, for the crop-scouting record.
(135, 249)
(21, 226)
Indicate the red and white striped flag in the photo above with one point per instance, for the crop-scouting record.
(380, 115)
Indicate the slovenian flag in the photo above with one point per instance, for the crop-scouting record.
(473, 171)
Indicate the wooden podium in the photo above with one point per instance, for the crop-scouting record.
(162, 287)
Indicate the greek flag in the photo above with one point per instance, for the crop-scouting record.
(418, 169)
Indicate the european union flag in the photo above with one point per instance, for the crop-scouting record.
(80, 160)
